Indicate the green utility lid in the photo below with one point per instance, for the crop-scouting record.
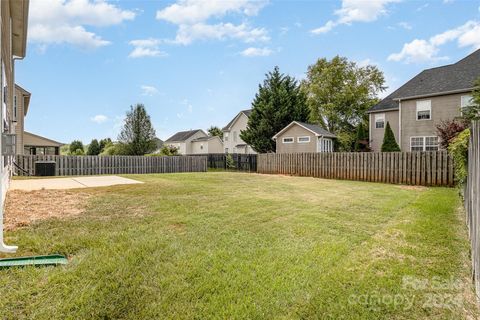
(50, 260)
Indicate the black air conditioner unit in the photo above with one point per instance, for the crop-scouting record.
(45, 168)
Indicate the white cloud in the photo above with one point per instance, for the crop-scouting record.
(405, 25)
(192, 16)
(146, 48)
(356, 11)
(190, 108)
(256, 52)
(420, 50)
(64, 21)
(99, 118)
(148, 90)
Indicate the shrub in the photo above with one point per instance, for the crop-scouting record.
(449, 129)
(361, 143)
(389, 143)
(93, 148)
(75, 146)
(114, 149)
(230, 164)
(458, 149)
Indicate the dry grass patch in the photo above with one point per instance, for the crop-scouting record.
(25, 207)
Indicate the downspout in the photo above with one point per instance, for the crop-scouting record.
(400, 123)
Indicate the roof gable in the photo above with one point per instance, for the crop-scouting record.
(232, 122)
(313, 128)
(452, 78)
(184, 135)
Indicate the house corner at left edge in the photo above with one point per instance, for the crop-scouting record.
(13, 44)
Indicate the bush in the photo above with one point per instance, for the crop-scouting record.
(93, 148)
(115, 149)
(229, 163)
(458, 149)
(76, 147)
(449, 129)
(389, 143)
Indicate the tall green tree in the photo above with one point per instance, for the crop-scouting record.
(389, 143)
(76, 147)
(278, 102)
(473, 112)
(137, 135)
(215, 131)
(103, 143)
(340, 92)
(93, 148)
(361, 142)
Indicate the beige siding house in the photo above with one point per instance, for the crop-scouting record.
(13, 44)
(416, 108)
(300, 137)
(21, 101)
(207, 145)
(195, 142)
(232, 142)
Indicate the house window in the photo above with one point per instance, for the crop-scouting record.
(424, 143)
(201, 147)
(326, 145)
(380, 121)
(465, 102)
(225, 137)
(288, 140)
(424, 110)
(305, 139)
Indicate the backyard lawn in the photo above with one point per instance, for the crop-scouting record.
(237, 246)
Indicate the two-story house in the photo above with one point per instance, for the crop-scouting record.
(416, 108)
(13, 46)
(232, 143)
(28, 143)
(195, 142)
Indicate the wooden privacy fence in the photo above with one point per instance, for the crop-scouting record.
(92, 165)
(433, 168)
(472, 200)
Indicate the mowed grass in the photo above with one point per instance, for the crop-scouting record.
(244, 246)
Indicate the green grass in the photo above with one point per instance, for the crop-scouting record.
(224, 245)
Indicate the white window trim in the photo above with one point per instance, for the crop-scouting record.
(462, 107)
(308, 141)
(428, 109)
(424, 142)
(380, 117)
(283, 140)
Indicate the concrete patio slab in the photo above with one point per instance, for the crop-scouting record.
(69, 183)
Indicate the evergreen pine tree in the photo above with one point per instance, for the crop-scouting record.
(93, 148)
(137, 135)
(362, 136)
(389, 143)
(278, 102)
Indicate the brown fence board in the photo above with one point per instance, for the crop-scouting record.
(414, 168)
(94, 165)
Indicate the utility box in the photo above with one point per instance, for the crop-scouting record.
(45, 168)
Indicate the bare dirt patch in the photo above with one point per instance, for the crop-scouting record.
(25, 207)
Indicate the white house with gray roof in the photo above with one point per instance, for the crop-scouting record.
(232, 143)
(195, 142)
(299, 137)
(416, 108)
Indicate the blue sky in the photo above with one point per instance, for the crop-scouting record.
(195, 64)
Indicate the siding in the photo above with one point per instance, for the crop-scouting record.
(376, 135)
(19, 128)
(443, 108)
(237, 127)
(296, 131)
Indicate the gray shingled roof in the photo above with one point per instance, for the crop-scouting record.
(453, 77)
(245, 112)
(203, 138)
(182, 135)
(317, 129)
